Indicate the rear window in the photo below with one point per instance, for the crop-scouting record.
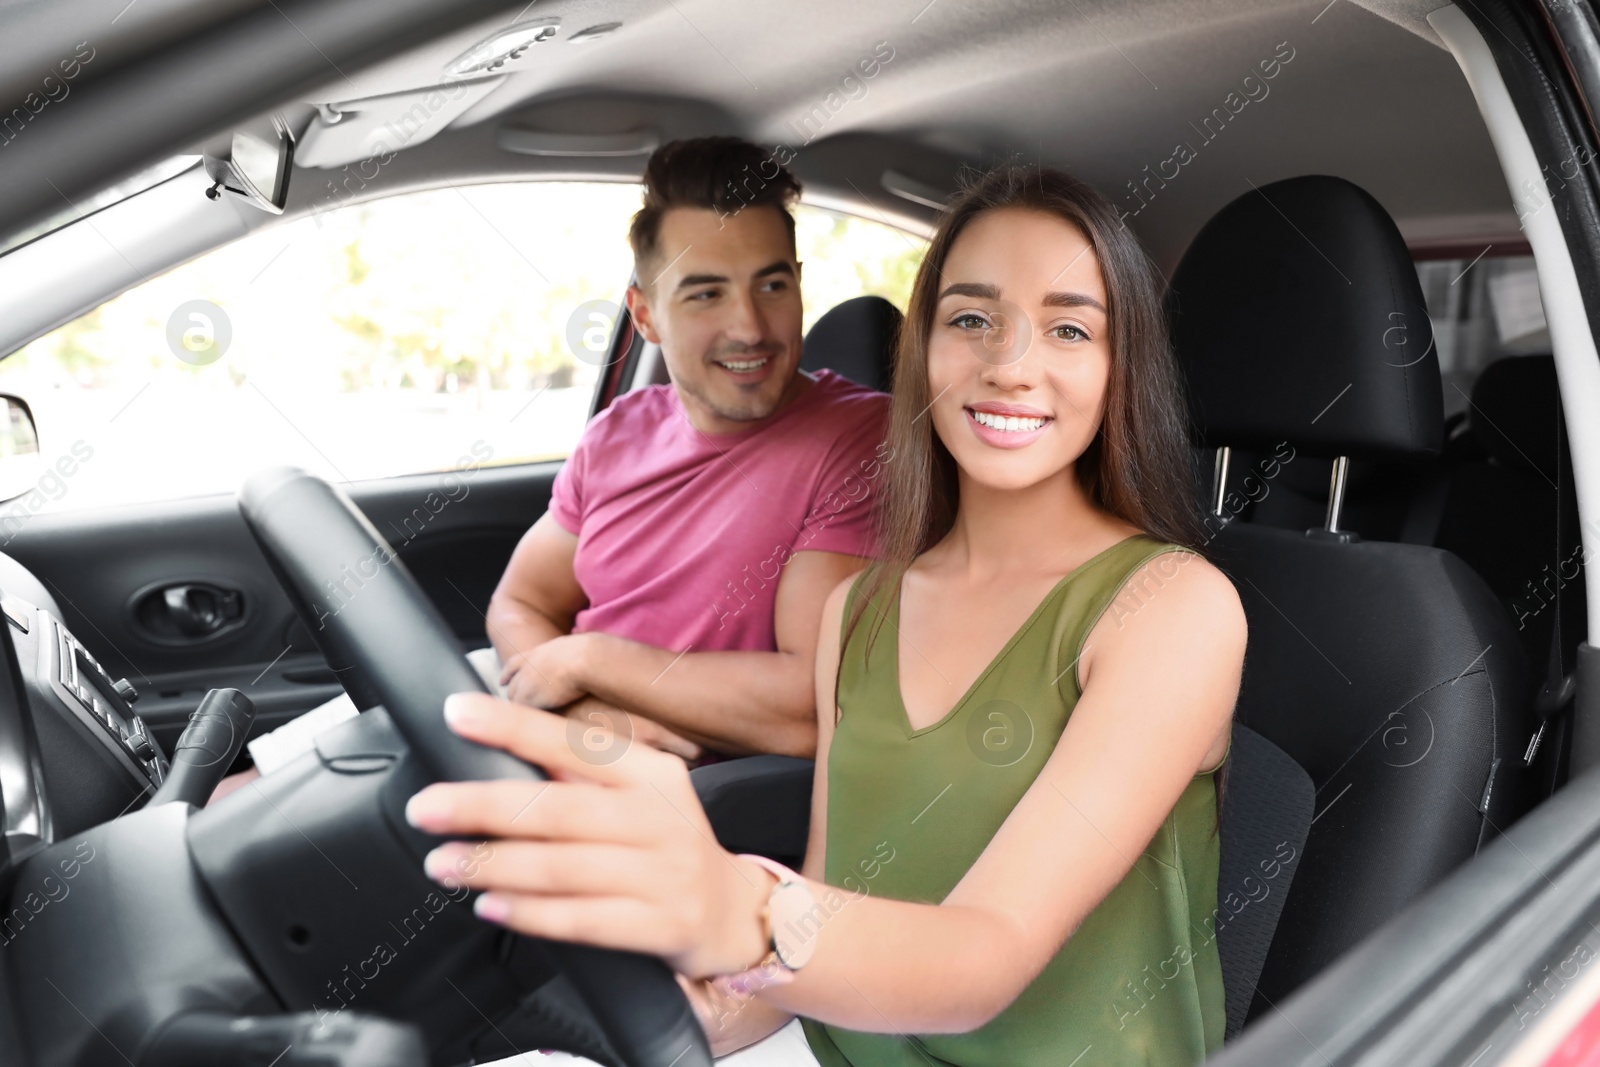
(1482, 310)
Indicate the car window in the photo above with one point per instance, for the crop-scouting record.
(421, 332)
(845, 256)
(1481, 310)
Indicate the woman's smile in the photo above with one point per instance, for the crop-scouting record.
(1006, 425)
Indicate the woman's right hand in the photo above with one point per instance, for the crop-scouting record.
(616, 853)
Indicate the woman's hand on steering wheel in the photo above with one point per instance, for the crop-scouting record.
(614, 850)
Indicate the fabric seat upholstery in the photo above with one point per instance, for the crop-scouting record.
(1389, 672)
(1267, 808)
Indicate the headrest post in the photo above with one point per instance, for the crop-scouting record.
(1219, 481)
(1341, 466)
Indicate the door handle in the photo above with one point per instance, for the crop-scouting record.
(194, 609)
(189, 610)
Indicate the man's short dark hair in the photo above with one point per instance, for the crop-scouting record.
(721, 174)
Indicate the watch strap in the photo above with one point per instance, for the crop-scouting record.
(770, 969)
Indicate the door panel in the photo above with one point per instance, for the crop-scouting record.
(454, 533)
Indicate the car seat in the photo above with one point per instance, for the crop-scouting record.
(856, 339)
(1388, 671)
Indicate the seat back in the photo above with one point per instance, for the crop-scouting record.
(1387, 671)
(1392, 676)
(758, 804)
(1499, 513)
(856, 339)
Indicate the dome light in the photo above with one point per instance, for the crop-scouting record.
(505, 46)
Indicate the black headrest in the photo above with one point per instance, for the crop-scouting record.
(856, 339)
(1513, 413)
(1297, 315)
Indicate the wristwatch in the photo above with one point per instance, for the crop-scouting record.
(789, 922)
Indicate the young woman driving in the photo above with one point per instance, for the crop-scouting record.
(1021, 712)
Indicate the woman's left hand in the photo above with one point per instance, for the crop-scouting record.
(614, 850)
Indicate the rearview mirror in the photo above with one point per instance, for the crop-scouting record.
(20, 461)
(257, 166)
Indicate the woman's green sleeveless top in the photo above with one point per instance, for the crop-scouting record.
(909, 811)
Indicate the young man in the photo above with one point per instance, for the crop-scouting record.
(675, 586)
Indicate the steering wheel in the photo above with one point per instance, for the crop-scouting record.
(371, 618)
(24, 807)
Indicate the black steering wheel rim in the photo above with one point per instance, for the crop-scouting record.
(367, 612)
(25, 816)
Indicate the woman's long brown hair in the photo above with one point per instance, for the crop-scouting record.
(1138, 465)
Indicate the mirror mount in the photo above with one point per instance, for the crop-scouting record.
(256, 167)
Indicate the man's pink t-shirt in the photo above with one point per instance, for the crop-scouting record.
(683, 535)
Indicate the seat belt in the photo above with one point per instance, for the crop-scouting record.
(1422, 521)
(1560, 685)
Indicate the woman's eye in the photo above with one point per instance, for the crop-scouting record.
(970, 321)
(1069, 333)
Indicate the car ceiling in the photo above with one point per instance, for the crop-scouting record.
(1104, 88)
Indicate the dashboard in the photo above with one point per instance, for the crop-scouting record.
(84, 688)
(97, 757)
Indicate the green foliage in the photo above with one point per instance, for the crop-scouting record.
(843, 256)
(78, 349)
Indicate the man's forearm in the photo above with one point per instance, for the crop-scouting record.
(741, 703)
(514, 628)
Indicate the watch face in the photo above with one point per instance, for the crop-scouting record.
(796, 920)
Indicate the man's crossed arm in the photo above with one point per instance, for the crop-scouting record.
(736, 702)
